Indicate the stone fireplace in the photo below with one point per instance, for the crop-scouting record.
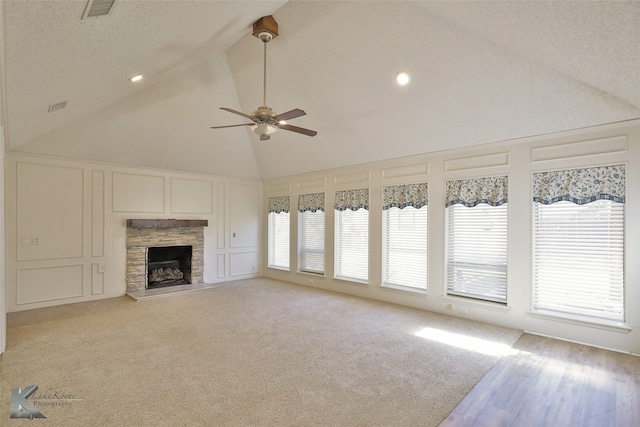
(164, 253)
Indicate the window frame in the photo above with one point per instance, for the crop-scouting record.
(278, 209)
(354, 200)
(386, 283)
(543, 308)
(302, 249)
(581, 186)
(498, 269)
(488, 282)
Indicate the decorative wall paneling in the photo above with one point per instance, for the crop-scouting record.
(138, 193)
(190, 196)
(594, 147)
(68, 220)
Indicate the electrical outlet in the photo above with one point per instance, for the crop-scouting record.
(462, 310)
(34, 241)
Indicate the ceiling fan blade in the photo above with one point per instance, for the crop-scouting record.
(231, 126)
(298, 129)
(237, 112)
(289, 115)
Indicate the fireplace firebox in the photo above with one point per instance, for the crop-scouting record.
(168, 266)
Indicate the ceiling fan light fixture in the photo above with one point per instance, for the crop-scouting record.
(263, 129)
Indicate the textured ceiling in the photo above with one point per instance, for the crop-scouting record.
(481, 72)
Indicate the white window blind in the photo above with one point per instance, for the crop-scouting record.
(312, 241)
(279, 240)
(477, 251)
(405, 249)
(352, 244)
(579, 259)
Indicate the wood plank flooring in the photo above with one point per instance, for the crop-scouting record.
(553, 383)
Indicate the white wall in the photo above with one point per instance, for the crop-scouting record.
(3, 317)
(3, 320)
(66, 218)
(610, 144)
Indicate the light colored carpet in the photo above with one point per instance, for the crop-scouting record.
(254, 352)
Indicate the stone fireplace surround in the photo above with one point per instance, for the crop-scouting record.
(145, 233)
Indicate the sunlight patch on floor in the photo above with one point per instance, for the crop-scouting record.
(466, 342)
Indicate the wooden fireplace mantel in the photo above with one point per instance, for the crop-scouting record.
(166, 223)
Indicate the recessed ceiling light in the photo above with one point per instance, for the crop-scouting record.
(403, 78)
(136, 78)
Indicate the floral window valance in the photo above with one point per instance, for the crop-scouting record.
(352, 199)
(311, 202)
(401, 196)
(279, 204)
(580, 186)
(471, 192)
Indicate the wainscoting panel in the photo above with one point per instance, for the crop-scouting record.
(312, 183)
(50, 212)
(243, 263)
(279, 188)
(350, 179)
(244, 201)
(222, 217)
(97, 214)
(190, 196)
(222, 268)
(616, 144)
(49, 283)
(97, 279)
(419, 171)
(138, 193)
(477, 162)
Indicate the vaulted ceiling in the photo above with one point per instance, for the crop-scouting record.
(480, 72)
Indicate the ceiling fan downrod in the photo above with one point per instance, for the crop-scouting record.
(266, 38)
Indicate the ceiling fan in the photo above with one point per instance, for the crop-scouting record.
(264, 120)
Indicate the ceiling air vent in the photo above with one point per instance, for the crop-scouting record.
(58, 106)
(96, 8)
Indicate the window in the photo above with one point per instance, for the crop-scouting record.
(278, 245)
(405, 235)
(578, 240)
(352, 235)
(311, 247)
(477, 238)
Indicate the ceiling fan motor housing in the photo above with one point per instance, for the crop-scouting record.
(265, 123)
(264, 114)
